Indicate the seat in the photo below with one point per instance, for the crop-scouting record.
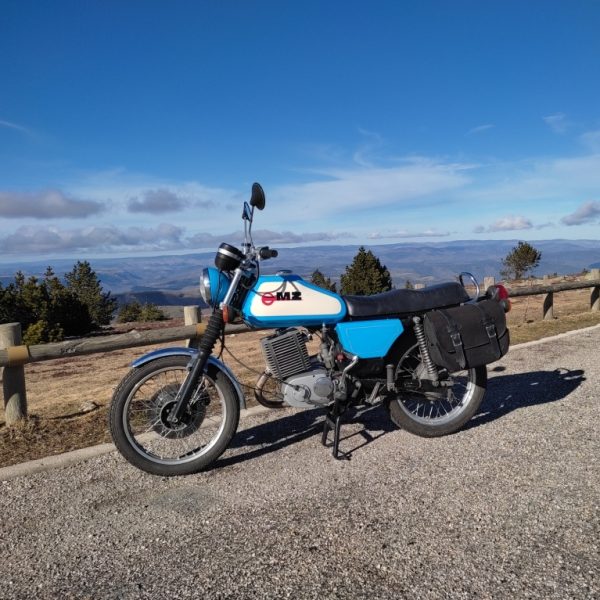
(397, 302)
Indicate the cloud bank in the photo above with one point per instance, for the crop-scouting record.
(29, 240)
(49, 204)
(157, 202)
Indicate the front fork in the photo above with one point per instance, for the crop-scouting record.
(196, 371)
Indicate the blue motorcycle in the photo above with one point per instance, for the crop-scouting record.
(422, 354)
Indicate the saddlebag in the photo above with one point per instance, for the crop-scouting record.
(467, 336)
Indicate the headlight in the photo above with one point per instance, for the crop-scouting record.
(214, 285)
(205, 287)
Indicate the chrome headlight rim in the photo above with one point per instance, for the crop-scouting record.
(205, 291)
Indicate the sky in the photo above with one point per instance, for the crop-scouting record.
(138, 126)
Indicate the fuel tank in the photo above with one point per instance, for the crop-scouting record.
(287, 300)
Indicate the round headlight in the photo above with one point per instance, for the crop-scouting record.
(205, 287)
(228, 257)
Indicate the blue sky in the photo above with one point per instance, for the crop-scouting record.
(139, 126)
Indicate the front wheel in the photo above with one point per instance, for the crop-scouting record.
(143, 434)
(430, 411)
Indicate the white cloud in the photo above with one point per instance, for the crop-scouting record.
(162, 200)
(351, 189)
(588, 212)
(101, 238)
(48, 204)
(157, 202)
(510, 223)
(557, 122)
(535, 180)
(29, 240)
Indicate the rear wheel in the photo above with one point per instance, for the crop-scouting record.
(148, 440)
(430, 411)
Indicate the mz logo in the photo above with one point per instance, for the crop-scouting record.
(268, 298)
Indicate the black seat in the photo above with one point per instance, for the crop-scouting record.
(396, 302)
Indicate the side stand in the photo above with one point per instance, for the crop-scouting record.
(333, 421)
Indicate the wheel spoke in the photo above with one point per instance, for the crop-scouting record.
(147, 409)
(429, 404)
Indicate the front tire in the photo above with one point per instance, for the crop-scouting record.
(144, 436)
(432, 412)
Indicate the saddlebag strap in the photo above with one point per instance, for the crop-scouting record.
(456, 339)
(490, 328)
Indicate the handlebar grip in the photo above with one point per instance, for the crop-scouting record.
(266, 253)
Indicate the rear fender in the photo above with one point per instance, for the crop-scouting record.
(192, 353)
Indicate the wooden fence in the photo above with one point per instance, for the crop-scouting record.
(13, 354)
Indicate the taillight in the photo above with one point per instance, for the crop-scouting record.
(502, 292)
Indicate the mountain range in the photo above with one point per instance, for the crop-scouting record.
(174, 279)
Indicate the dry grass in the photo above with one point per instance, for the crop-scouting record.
(57, 389)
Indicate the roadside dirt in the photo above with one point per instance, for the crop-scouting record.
(60, 392)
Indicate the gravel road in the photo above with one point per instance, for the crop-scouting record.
(508, 507)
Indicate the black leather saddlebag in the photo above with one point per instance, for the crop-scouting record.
(467, 336)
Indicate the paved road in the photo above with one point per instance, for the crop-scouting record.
(509, 507)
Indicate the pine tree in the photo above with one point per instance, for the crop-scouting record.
(84, 283)
(366, 275)
(130, 312)
(521, 259)
(136, 312)
(319, 279)
(151, 312)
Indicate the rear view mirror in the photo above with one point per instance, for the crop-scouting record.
(258, 196)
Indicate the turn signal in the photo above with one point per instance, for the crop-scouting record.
(226, 314)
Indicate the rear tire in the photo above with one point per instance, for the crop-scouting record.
(433, 412)
(140, 429)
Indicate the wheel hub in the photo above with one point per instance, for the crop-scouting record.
(164, 403)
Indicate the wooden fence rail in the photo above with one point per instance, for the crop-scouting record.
(13, 354)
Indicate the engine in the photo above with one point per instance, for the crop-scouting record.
(305, 382)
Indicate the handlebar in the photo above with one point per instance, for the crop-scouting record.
(266, 253)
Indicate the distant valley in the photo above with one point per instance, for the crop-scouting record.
(173, 280)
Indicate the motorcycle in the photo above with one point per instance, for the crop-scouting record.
(422, 354)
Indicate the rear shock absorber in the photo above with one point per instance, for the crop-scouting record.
(425, 356)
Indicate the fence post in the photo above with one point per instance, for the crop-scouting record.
(191, 316)
(13, 377)
(549, 306)
(595, 299)
(488, 281)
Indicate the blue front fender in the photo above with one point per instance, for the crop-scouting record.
(191, 353)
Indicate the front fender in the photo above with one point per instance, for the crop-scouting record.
(191, 353)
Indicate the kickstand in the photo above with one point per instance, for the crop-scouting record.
(333, 421)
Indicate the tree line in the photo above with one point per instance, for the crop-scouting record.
(50, 309)
(366, 275)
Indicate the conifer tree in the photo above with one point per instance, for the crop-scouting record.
(521, 259)
(323, 282)
(84, 283)
(366, 275)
